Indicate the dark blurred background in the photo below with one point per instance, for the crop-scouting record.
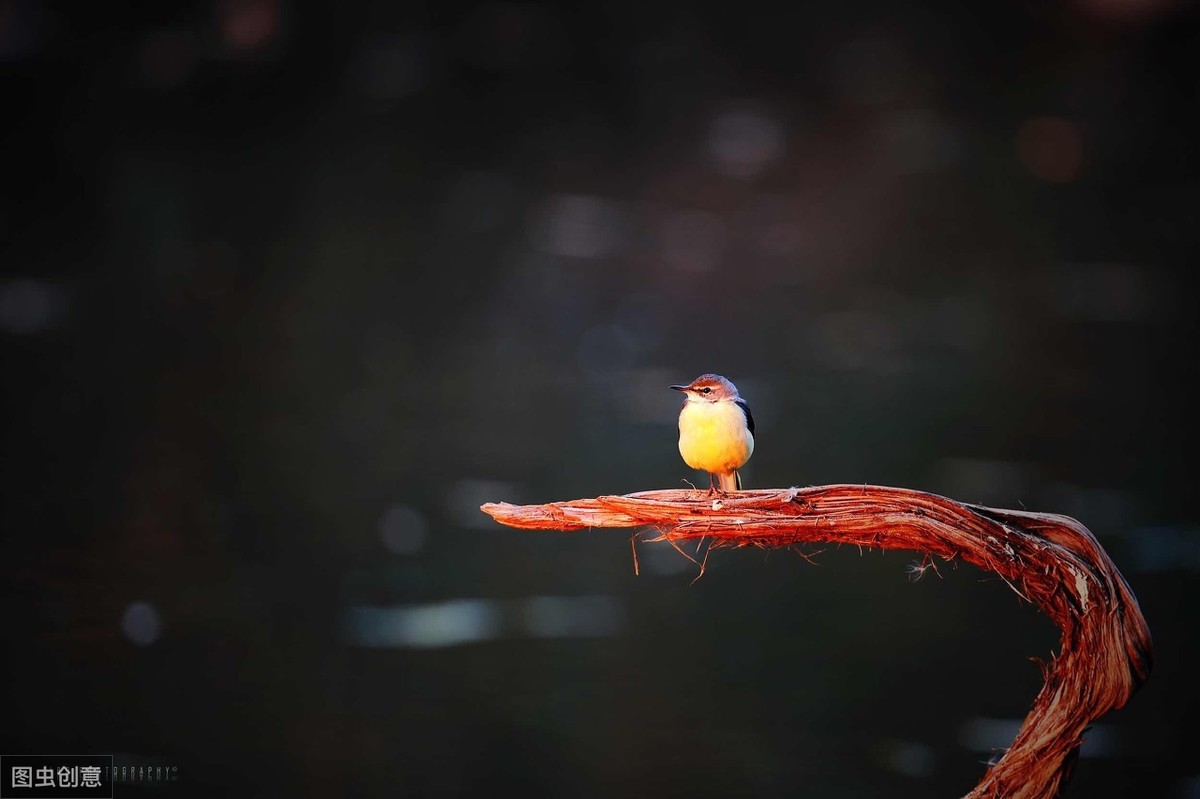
(289, 290)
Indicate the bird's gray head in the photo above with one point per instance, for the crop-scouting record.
(709, 388)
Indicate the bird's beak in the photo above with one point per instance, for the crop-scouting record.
(679, 388)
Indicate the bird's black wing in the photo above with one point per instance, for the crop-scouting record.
(741, 403)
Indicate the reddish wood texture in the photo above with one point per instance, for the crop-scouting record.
(1050, 560)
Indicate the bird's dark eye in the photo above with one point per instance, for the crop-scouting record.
(705, 390)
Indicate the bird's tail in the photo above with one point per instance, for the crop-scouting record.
(730, 482)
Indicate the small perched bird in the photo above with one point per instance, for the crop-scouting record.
(716, 430)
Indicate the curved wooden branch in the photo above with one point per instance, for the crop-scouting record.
(1052, 561)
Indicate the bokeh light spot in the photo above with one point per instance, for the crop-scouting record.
(578, 226)
(743, 143)
(402, 530)
(31, 306)
(249, 26)
(141, 623)
(392, 67)
(692, 240)
(1051, 148)
(919, 140)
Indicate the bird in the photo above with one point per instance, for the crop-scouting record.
(716, 431)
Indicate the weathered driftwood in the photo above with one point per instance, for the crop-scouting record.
(1050, 560)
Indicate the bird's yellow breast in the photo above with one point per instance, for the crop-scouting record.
(713, 436)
